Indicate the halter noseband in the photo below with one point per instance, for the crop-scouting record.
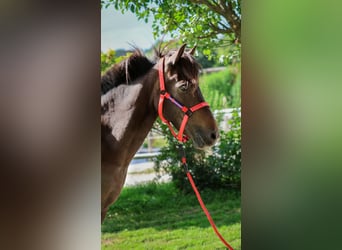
(181, 137)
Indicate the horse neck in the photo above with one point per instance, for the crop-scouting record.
(146, 109)
(133, 116)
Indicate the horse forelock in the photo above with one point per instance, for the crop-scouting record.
(190, 67)
(187, 68)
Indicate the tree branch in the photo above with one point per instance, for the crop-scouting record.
(224, 4)
(211, 34)
(214, 7)
(225, 10)
(219, 30)
(223, 25)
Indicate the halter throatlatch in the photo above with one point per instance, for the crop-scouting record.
(181, 137)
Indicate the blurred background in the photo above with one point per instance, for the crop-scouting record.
(291, 136)
(50, 135)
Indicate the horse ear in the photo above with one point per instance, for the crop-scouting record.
(175, 57)
(192, 51)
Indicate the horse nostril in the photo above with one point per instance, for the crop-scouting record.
(214, 135)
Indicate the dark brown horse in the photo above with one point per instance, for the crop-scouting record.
(129, 107)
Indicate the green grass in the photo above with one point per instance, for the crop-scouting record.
(158, 216)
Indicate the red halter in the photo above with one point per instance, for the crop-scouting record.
(181, 137)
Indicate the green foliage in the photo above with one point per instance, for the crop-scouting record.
(107, 59)
(205, 62)
(222, 89)
(110, 58)
(221, 169)
(209, 24)
(155, 143)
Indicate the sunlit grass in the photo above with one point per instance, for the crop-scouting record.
(158, 216)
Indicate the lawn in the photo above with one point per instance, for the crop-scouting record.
(158, 216)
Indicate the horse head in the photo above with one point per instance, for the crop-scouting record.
(181, 79)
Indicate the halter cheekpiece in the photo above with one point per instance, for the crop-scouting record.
(181, 137)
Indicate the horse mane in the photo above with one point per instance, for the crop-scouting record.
(138, 64)
(126, 71)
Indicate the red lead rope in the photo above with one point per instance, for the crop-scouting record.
(199, 198)
(205, 210)
(181, 137)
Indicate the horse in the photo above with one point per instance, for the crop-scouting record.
(133, 94)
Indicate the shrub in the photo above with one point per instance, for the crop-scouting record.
(222, 89)
(220, 169)
(110, 58)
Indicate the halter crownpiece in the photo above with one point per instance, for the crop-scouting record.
(181, 137)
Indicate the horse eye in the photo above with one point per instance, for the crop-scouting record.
(184, 87)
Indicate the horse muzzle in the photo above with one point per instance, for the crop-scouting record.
(204, 138)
